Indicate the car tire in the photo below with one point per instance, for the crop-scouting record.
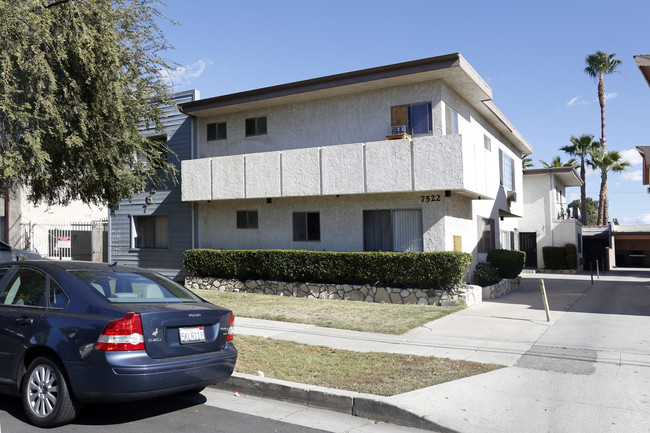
(46, 395)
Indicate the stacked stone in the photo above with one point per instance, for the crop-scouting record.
(470, 295)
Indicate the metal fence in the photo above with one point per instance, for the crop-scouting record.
(68, 241)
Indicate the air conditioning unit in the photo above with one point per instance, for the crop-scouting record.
(398, 129)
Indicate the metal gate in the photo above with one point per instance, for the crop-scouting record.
(68, 241)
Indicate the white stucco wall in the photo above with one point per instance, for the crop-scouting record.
(341, 220)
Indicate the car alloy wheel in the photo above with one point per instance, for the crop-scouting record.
(46, 399)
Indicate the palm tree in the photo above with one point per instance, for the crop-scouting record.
(605, 161)
(599, 65)
(526, 162)
(582, 147)
(557, 162)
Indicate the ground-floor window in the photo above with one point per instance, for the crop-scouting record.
(507, 240)
(149, 231)
(392, 230)
(485, 235)
(306, 226)
(246, 219)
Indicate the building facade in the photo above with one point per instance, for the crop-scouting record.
(405, 157)
(153, 229)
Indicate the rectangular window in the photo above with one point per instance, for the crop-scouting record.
(507, 240)
(255, 126)
(246, 219)
(217, 131)
(451, 120)
(149, 231)
(416, 118)
(392, 230)
(487, 142)
(507, 171)
(485, 235)
(306, 226)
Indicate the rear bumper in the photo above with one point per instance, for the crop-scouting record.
(125, 376)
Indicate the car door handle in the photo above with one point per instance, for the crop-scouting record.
(24, 321)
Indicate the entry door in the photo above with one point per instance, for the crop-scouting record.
(528, 244)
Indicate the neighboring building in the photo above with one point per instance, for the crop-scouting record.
(597, 246)
(643, 62)
(38, 227)
(548, 221)
(406, 157)
(154, 228)
(631, 245)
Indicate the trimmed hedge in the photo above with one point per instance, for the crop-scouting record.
(508, 263)
(571, 256)
(434, 270)
(554, 257)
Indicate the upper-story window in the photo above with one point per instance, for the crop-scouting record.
(217, 131)
(416, 118)
(451, 120)
(256, 126)
(507, 171)
(487, 143)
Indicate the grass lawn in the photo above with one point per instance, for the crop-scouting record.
(375, 373)
(353, 315)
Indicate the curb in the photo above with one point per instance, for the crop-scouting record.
(367, 406)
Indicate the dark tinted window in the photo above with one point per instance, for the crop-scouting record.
(256, 126)
(27, 287)
(246, 219)
(216, 131)
(306, 226)
(129, 287)
(58, 298)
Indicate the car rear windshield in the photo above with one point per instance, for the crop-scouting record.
(129, 287)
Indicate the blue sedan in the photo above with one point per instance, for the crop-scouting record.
(75, 332)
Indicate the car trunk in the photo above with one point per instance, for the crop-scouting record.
(172, 330)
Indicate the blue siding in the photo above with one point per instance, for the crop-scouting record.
(165, 202)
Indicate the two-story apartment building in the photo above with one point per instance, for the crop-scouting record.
(548, 219)
(412, 156)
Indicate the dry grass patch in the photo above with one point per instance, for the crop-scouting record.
(375, 373)
(352, 315)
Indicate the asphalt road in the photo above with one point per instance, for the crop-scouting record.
(162, 415)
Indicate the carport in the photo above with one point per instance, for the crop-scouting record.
(631, 245)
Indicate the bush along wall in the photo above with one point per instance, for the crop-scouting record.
(554, 257)
(571, 256)
(508, 263)
(430, 270)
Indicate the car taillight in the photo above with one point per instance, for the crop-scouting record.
(122, 335)
(231, 327)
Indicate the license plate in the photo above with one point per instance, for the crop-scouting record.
(195, 334)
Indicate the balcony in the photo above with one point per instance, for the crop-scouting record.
(420, 164)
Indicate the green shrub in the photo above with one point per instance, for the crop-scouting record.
(485, 275)
(417, 270)
(554, 257)
(571, 256)
(508, 263)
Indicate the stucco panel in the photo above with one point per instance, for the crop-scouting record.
(388, 166)
(228, 177)
(343, 169)
(196, 179)
(301, 172)
(263, 175)
(438, 162)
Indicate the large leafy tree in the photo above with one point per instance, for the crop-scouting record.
(597, 66)
(78, 81)
(581, 147)
(605, 162)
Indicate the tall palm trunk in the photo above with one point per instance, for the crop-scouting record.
(603, 208)
(583, 193)
(601, 100)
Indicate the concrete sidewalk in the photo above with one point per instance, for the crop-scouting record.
(544, 389)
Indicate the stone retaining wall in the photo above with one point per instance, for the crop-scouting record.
(469, 294)
(503, 287)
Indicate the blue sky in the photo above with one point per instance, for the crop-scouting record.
(532, 54)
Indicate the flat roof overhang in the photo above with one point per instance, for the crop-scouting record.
(567, 175)
(643, 62)
(452, 69)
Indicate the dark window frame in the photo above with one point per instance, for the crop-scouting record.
(255, 126)
(306, 227)
(217, 131)
(150, 242)
(247, 219)
(411, 109)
